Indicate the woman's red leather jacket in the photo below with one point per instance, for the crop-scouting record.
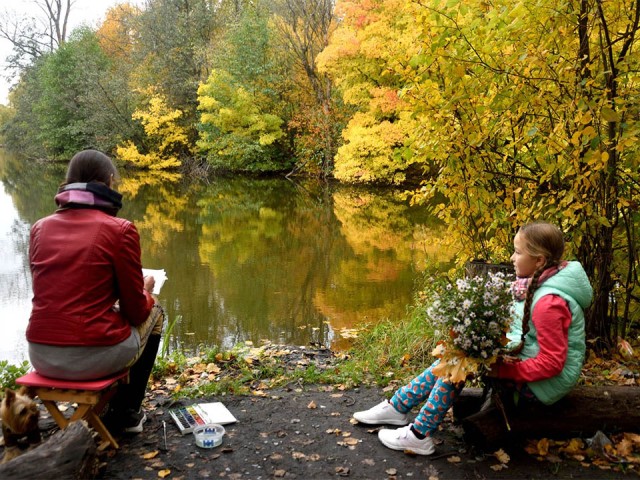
(82, 261)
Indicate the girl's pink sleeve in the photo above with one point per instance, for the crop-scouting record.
(551, 317)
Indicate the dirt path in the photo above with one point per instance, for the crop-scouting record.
(307, 434)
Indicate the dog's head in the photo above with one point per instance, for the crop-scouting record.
(18, 411)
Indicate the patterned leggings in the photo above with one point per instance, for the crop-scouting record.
(439, 394)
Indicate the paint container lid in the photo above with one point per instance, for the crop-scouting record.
(208, 436)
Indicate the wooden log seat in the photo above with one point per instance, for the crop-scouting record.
(584, 411)
(91, 396)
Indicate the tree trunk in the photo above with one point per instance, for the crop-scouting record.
(68, 454)
(583, 412)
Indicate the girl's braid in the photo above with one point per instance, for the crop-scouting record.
(528, 301)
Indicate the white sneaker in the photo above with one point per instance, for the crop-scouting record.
(382, 414)
(404, 439)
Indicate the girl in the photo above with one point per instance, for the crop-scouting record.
(547, 337)
(93, 313)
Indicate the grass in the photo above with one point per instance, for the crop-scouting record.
(384, 353)
(9, 373)
(391, 350)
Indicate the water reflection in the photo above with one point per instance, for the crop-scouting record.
(247, 259)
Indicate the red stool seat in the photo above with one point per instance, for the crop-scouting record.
(90, 395)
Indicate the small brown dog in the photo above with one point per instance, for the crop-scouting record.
(19, 414)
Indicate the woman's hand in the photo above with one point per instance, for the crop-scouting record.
(149, 283)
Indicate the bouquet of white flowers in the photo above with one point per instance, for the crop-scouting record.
(473, 316)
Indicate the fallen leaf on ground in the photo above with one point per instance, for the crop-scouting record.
(502, 456)
(164, 473)
(312, 405)
(150, 455)
(431, 473)
(543, 447)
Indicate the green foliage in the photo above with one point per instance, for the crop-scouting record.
(6, 114)
(21, 130)
(235, 134)
(166, 365)
(243, 115)
(64, 78)
(65, 102)
(172, 51)
(166, 335)
(9, 373)
(392, 350)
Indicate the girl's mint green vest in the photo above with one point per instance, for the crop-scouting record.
(572, 284)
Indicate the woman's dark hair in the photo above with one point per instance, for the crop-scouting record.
(91, 166)
(540, 239)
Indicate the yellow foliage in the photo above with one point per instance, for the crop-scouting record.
(166, 137)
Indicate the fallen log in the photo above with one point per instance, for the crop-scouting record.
(583, 412)
(67, 454)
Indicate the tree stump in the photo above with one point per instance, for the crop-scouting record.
(480, 268)
(67, 454)
(583, 412)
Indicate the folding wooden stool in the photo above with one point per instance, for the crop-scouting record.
(90, 395)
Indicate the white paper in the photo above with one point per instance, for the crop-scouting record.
(215, 412)
(159, 276)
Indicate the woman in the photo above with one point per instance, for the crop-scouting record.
(92, 311)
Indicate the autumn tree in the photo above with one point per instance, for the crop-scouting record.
(303, 28)
(526, 111)
(540, 109)
(119, 31)
(235, 133)
(172, 52)
(242, 113)
(368, 58)
(77, 96)
(165, 141)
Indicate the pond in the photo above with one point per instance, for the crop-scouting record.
(277, 260)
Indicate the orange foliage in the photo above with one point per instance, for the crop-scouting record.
(116, 32)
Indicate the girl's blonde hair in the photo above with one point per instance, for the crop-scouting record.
(540, 239)
(543, 239)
